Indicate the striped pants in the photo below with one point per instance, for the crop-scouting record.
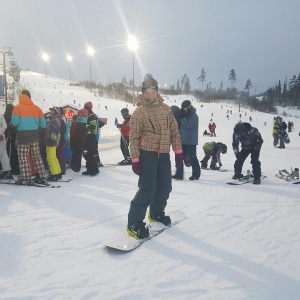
(33, 150)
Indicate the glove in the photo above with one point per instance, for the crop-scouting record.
(178, 159)
(117, 125)
(136, 167)
(1, 137)
(220, 164)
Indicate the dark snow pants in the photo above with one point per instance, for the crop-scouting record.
(241, 157)
(89, 153)
(124, 145)
(155, 185)
(209, 154)
(190, 150)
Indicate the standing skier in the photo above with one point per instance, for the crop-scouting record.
(153, 130)
(28, 118)
(251, 142)
(124, 140)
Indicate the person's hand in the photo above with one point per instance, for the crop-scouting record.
(136, 167)
(178, 159)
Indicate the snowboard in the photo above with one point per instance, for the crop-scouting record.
(125, 243)
(245, 179)
(287, 176)
(79, 135)
(220, 170)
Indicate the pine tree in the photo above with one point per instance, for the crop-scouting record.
(248, 86)
(232, 77)
(202, 77)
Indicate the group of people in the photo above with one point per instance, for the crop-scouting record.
(152, 129)
(30, 143)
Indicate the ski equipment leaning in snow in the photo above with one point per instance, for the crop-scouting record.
(251, 142)
(153, 130)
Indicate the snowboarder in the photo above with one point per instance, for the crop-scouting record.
(213, 129)
(10, 135)
(251, 142)
(153, 130)
(124, 140)
(279, 133)
(6, 174)
(205, 133)
(53, 136)
(28, 118)
(213, 150)
(189, 140)
(90, 140)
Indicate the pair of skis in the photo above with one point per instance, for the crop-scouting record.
(32, 183)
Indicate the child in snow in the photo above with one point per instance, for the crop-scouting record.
(213, 150)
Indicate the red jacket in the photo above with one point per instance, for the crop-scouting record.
(125, 127)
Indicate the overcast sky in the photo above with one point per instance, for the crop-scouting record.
(260, 39)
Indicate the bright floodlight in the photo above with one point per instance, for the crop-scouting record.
(132, 43)
(45, 56)
(69, 58)
(90, 51)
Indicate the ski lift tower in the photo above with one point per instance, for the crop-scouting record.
(5, 51)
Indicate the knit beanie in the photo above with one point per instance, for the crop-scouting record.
(149, 82)
(25, 92)
(88, 105)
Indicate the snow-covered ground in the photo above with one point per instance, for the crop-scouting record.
(238, 242)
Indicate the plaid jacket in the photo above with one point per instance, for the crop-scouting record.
(153, 128)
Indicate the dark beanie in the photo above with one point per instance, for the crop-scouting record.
(185, 104)
(25, 92)
(88, 105)
(149, 82)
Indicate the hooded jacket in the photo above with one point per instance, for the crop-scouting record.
(153, 128)
(28, 118)
(189, 128)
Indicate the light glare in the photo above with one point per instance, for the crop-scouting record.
(132, 43)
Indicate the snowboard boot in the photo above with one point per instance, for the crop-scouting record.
(53, 177)
(177, 177)
(6, 175)
(37, 179)
(256, 181)
(161, 217)
(193, 178)
(94, 173)
(215, 168)
(22, 181)
(237, 176)
(295, 173)
(138, 230)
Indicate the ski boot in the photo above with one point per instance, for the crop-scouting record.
(6, 175)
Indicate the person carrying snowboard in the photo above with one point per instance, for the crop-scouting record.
(124, 140)
(90, 140)
(153, 130)
(251, 141)
(213, 150)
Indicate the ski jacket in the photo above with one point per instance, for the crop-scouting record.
(250, 140)
(125, 126)
(53, 131)
(213, 127)
(27, 117)
(212, 148)
(153, 128)
(92, 124)
(189, 128)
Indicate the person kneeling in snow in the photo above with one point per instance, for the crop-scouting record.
(213, 150)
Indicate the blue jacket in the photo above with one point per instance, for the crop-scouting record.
(189, 128)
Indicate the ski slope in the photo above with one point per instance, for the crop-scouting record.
(238, 242)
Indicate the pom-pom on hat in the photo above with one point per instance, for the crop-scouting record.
(149, 82)
(88, 105)
(25, 92)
